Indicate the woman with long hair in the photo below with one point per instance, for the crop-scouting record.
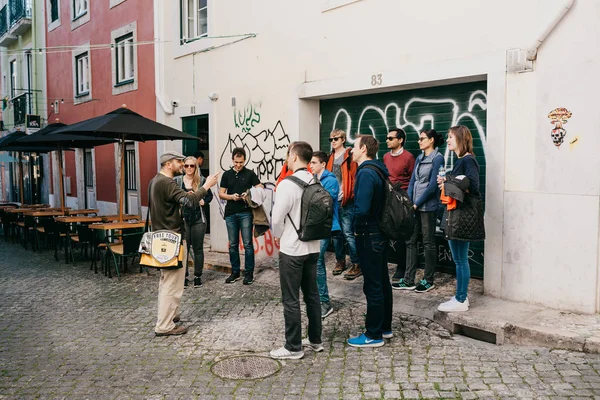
(464, 222)
(425, 194)
(195, 220)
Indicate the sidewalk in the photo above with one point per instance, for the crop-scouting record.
(490, 319)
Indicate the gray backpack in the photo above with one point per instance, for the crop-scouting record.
(316, 210)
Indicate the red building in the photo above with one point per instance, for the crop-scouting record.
(100, 56)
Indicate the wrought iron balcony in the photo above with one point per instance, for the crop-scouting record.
(20, 108)
(19, 16)
(6, 37)
(3, 21)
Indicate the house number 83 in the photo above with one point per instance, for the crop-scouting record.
(376, 80)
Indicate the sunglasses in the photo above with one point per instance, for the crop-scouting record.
(423, 138)
(189, 166)
(333, 139)
(391, 138)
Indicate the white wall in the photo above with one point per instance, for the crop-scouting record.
(542, 202)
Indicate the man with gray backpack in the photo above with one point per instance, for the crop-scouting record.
(301, 216)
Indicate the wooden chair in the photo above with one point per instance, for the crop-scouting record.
(28, 231)
(49, 227)
(83, 237)
(128, 247)
(99, 244)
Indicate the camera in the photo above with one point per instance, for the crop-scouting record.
(175, 103)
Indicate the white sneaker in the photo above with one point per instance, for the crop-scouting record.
(466, 300)
(454, 305)
(284, 354)
(316, 347)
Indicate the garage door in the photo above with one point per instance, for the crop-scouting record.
(414, 111)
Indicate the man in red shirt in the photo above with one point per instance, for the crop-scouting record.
(400, 164)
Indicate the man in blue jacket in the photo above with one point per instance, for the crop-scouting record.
(371, 244)
(330, 183)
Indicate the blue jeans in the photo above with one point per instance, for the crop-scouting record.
(321, 270)
(347, 222)
(377, 288)
(236, 223)
(460, 254)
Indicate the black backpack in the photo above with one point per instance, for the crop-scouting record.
(316, 210)
(398, 217)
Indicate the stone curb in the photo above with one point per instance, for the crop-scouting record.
(494, 331)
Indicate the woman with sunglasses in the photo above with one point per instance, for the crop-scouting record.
(425, 194)
(461, 226)
(195, 220)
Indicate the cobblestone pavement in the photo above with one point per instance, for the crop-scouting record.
(68, 333)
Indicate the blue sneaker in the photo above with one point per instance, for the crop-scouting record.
(363, 341)
(387, 335)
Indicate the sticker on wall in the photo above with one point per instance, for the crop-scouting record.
(574, 142)
(559, 117)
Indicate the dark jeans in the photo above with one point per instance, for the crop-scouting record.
(236, 223)
(371, 250)
(295, 273)
(398, 250)
(425, 225)
(194, 235)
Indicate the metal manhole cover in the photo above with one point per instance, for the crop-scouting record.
(245, 367)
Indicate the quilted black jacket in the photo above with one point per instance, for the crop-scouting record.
(465, 222)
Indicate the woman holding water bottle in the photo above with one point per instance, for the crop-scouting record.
(463, 182)
(425, 194)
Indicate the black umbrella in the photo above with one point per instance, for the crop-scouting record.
(123, 124)
(59, 142)
(10, 143)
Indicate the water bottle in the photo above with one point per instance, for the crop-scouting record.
(442, 172)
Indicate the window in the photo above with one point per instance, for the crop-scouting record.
(82, 63)
(125, 59)
(13, 78)
(53, 10)
(130, 171)
(80, 7)
(194, 19)
(89, 168)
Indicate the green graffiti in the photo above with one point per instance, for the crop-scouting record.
(246, 118)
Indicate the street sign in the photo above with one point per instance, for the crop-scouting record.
(33, 123)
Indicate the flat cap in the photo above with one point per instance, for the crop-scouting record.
(170, 155)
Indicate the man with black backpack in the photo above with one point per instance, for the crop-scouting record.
(371, 243)
(298, 240)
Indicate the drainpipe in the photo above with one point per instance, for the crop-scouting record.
(33, 99)
(533, 50)
(168, 109)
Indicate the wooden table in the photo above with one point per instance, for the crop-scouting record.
(109, 218)
(81, 212)
(78, 219)
(74, 220)
(35, 205)
(18, 210)
(118, 225)
(45, 213)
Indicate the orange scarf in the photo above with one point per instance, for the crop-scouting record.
(449, 201)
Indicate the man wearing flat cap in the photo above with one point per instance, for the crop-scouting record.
(166, 199)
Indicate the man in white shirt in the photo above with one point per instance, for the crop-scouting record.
(297, 260)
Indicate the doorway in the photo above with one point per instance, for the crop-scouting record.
(197, 125)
